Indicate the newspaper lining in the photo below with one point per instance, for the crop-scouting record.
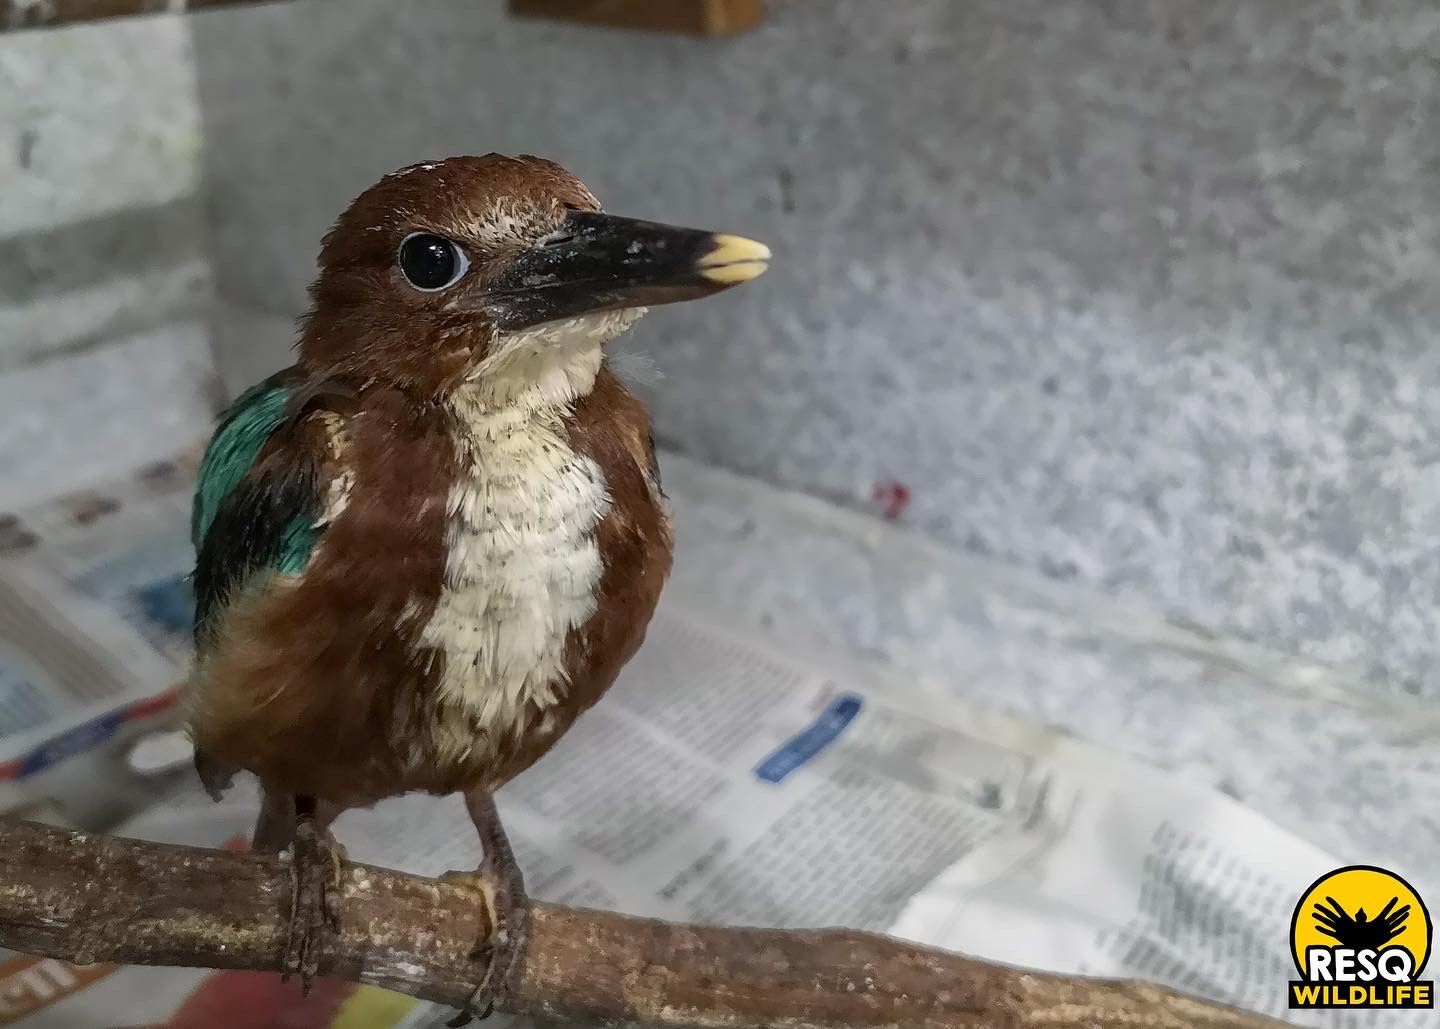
(723, 779)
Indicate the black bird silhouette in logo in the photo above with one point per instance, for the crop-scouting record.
(1360, 932)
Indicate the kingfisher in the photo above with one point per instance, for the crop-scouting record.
(431, 543)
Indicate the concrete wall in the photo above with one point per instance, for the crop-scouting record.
(104, 275)
(1139, 294)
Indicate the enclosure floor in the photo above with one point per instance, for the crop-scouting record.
(1340, 762)
(1350, 765)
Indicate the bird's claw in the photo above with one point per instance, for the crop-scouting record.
(503, 950)
(314, 911)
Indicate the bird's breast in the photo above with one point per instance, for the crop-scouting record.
(522, 568)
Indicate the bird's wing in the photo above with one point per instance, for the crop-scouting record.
(261, 492)
(259, 502)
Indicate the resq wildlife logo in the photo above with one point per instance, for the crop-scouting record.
(1360, 937)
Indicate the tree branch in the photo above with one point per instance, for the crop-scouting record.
(87, 898)
(40, 14)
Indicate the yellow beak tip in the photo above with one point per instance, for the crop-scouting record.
(734, 259)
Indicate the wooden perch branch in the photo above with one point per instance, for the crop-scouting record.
(86, 898)
(694, 17)
(39, 14)
(699, 17)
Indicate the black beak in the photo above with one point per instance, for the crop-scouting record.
(598, 262)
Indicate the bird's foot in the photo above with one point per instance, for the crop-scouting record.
(314, 912)
(502, 952)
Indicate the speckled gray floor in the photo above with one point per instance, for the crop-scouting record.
(1328, 758)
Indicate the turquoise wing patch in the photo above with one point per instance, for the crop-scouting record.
(243, 430)
(244, 520)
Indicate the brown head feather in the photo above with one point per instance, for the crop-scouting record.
(367, 322)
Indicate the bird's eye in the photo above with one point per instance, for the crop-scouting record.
(431, 262)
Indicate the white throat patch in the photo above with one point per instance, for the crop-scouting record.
(547, 365)
(523, 562)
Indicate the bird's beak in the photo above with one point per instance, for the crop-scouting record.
(598, 262)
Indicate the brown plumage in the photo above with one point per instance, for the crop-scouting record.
(321, 684)
(429, 546)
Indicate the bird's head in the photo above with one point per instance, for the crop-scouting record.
(479, 268)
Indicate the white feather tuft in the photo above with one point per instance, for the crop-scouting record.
(523, 562)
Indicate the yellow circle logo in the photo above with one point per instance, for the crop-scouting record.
(1360, 937)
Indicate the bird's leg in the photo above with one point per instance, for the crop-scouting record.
(275, 827)
(315, 882)
(503, 951)
(214, 776)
